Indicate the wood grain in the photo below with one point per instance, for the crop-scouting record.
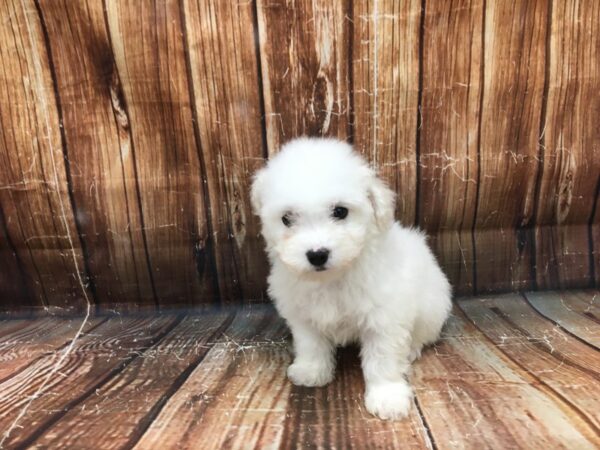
(448, 157)
(576, 312)
(571, 147)
(92, 362)
(224, 402)
(472, 396)
(21, 347)
(239, 397)
(513, 70)
(14, 287)
(557, 359)
(148, 45)
(305, 68)
(503, 376)
(335, 416)
(157, 372)
(101, 156)
(223, 65)
(128, 134)
(385, 94)
(34, 198)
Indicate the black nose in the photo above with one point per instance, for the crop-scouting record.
(318, 257)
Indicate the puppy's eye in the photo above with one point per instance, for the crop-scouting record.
(287, 220)
(339, 213)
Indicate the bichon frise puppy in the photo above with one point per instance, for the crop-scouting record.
(344, 271)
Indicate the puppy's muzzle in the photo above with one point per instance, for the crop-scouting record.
(318, 258)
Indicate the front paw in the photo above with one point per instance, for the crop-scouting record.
(389, 401)
(310, 374)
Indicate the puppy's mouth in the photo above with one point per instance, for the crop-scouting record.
(320, 269)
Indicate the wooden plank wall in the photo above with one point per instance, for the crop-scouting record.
(129, 131)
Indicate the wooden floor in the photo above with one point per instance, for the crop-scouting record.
(513, 371)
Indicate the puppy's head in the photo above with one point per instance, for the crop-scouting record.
(320, 204)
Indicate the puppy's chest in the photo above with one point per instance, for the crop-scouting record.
(335, 314)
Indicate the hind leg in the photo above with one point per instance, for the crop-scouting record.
(423, 334)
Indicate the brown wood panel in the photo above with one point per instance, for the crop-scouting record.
(448, 158)
(223, 65)
(570, 147)
(557, 359)
(385, 93)
(576, 312)
(513, 68)
(34, 199)
(304, 52)
(473, 396)
(101, 155)
(95, 358)
(14, 287)
(148, 45)
(239, 397)
(158, 372)
(21, 347)
(515, 379)
(595, 247)
(221, 404)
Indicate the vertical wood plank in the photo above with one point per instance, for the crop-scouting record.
(15, 291)
(305, 68)
(514, 67)
(98, 140)
(223, 65)
(451, 91)
(594, 231)
(385, 93)
(571, 147)
(149, 51)
(34, 196)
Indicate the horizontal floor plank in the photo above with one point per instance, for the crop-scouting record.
(473, 396)
(95, 357)
(239, 397)
(575, 311)
(24, 344)
(546, 351)
(504, 375)
(118, 412)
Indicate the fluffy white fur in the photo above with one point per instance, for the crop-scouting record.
(381, 285)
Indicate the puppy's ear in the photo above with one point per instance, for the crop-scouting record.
(256, 191)
(383, 201)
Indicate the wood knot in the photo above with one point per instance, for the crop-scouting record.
(117, 100)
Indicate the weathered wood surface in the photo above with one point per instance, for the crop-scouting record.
(513, 70)
(128, 136)
(27, 343)
(557, 359)
(225, 72)
(576, 312)
(149, 380)
(37, 213)
(305, 59)
(570, 135)
(473, 396)
(150, 60)
(449, 134)
(38, 399)
(502, 376)
(385, 94)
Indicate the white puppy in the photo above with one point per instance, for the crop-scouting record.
(343, 270)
